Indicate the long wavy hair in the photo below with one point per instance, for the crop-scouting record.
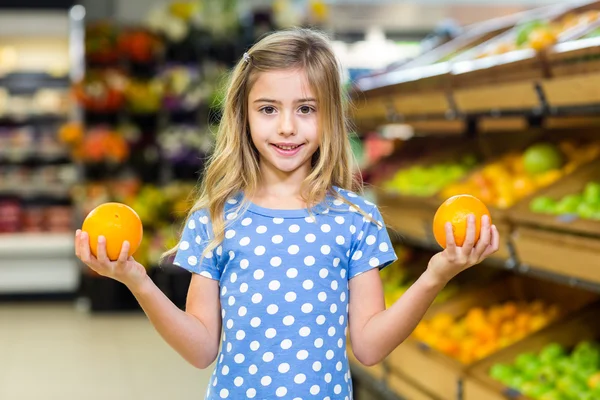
(234, 164)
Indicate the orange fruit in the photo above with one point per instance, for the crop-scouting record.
(117, 223)
(542, 38)
(456, 210)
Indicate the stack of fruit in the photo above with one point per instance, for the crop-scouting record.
(483, 331)
(515, 176)
(426, 181)
(553, 374)
(585, 205)
(540, 34)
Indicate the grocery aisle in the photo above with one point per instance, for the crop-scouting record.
(73, 355)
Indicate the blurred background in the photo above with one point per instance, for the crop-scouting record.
(119, 100)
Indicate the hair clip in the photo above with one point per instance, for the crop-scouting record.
(246, 57)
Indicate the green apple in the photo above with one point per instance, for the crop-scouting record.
(552, 353)
(516, 382)
(532, 368)
(591, 193)
(548, 374)
(586, 210)
(542, 205)
(566, 366)
(524, 360)
(535, 389)
(586, 354)
(553, 395)
(570, 385)
(503, 373)
(569, 204)
(588, 396)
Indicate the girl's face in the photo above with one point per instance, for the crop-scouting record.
(282, 113)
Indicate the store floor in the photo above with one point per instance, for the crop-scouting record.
(54, 351)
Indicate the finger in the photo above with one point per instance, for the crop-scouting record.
(450, 243)
(84, 248)
(495, 242)
(101, 250)
(81, 245)
(77, 233)
(484, 238)
(470, 237)
(124, 255)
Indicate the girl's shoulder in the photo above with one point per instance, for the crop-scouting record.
(357, 200)
(232, 205)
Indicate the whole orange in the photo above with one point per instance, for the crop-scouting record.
(117, 223)
(456, 210)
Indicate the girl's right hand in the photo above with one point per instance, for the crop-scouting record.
(125, 269)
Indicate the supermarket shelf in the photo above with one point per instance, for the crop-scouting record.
(33, 159)
(36, 245)
(513, 264)
(39, 119)
(29, 83)
(61, 193)
(38, 263)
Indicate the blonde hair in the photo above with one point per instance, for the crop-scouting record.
(234, 164)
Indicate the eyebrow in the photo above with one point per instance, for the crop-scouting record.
(265, 100)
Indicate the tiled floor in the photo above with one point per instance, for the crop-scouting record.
(53, 351)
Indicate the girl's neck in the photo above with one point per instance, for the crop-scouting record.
(279, 189)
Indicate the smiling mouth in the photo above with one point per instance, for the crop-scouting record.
(287, 148)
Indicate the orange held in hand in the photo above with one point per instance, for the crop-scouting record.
(456, 210)
(117, 223)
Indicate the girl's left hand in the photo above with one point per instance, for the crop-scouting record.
(453, 260)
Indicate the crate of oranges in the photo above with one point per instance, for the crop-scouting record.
(473, 326)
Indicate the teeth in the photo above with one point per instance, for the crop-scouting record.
(287, 147)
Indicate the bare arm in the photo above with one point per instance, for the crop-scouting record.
(374, 331)
(195, 333)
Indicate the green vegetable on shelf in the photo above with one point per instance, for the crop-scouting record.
(428, 180)
(553, 373)
(585, 205)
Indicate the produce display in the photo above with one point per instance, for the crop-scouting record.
(428, 180)
(101, 91)
(540, 34)
(44, 102)
(143, 96)
(514, 176)
(101, 144)
(554, 373)
(584, 205)
(483, 331)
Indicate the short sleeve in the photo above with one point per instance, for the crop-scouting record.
(372, 247)
(194, 240)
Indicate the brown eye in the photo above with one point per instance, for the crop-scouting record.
(268, 110)
(306, 110)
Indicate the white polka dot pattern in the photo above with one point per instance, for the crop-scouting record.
(283, 278)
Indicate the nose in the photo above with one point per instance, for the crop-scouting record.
(287, 126)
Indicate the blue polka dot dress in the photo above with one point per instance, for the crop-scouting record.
(283, 278)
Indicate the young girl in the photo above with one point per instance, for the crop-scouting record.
(285, 255)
